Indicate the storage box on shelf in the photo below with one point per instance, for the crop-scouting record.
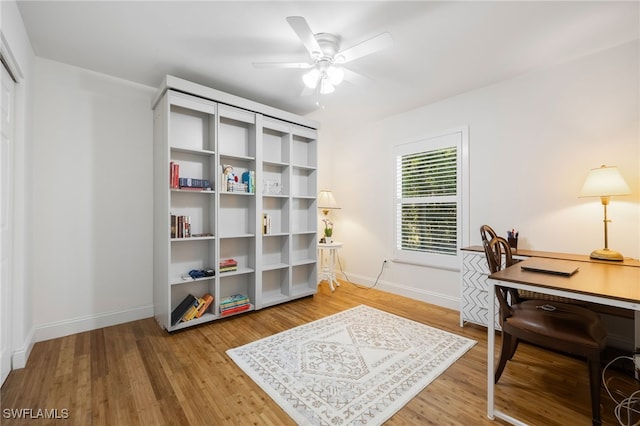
(244, 162)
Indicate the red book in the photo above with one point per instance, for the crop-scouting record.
(227, 263)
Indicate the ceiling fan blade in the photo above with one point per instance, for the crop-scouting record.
(302, 29)
(298, 65)
(367, 47)
(356, 78)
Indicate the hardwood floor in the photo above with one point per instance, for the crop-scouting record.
(138, 374)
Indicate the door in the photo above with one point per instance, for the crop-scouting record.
(6, 222)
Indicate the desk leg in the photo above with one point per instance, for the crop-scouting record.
(491, 336)
(636, 327)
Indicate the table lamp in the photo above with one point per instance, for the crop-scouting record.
(604, 182)
(326, 202)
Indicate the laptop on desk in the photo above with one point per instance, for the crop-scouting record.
(550, 266)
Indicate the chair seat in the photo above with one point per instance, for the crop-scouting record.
(568, 323)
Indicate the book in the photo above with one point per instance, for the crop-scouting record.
(236, 310)
(234, 300)
(174, 172)
(182, 308)
(234, 304)
(228, 263)
(192, 311)
(266, 224)
(207, 300)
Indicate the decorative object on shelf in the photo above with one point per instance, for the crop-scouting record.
(605, 182)
(228, 177)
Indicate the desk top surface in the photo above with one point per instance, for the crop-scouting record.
(611, 280)
(566, 256)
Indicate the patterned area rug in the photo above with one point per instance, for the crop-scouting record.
(358, 366)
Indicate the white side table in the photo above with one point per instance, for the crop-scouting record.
(328, 265)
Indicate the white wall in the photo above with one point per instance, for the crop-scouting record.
(532, 141)
(91, 197)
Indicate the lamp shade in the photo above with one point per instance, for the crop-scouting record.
(604, 181)
(326, 201)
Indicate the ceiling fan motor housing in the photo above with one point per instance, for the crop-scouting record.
(330, 45)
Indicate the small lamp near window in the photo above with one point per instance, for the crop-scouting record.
(605, 182)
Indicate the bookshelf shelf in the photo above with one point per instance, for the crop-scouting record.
(198, 133)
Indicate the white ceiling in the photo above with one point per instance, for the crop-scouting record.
(440, 48)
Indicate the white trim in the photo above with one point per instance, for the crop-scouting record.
(20, 356)
(91, 322)
(171, 82)
(439, 299)
(10, 60)
(440, 261)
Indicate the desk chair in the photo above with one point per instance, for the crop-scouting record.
(558, 326)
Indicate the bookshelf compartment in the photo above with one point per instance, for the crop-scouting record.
(237, 284)
(275, 252)
(304, 151)
(191, 129)
(275, 215)
(242, 250)
(303, 182)
(194, 165)
(304, 215)
(303, 248)
(275, 146)
(187, 255)
(239, 167)
(275, 179)
(275, 286)
(237, 133)
(304, 280)
(236, 215)
(199, 207)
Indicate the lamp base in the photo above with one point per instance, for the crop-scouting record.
(606, 254)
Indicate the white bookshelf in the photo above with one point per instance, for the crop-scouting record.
(196, 128)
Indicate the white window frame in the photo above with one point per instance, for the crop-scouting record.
(459, 139)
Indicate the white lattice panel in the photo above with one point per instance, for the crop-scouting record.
(475, 290)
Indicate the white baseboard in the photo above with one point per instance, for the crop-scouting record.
(423, 295)
(20, 356)
(91, 322)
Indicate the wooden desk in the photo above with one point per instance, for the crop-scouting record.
(612, 284)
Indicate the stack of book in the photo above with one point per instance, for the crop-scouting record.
(228, 265)
(234, 304)
(191, 307)
(180, 226)
(177, 182)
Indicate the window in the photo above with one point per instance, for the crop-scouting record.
(429, 217)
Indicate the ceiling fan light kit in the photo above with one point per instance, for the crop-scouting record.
(326, 70)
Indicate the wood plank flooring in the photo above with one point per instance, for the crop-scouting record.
(138, 374)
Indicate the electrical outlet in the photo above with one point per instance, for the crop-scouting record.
(636, 361)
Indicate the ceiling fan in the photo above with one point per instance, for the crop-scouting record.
(326, 60)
